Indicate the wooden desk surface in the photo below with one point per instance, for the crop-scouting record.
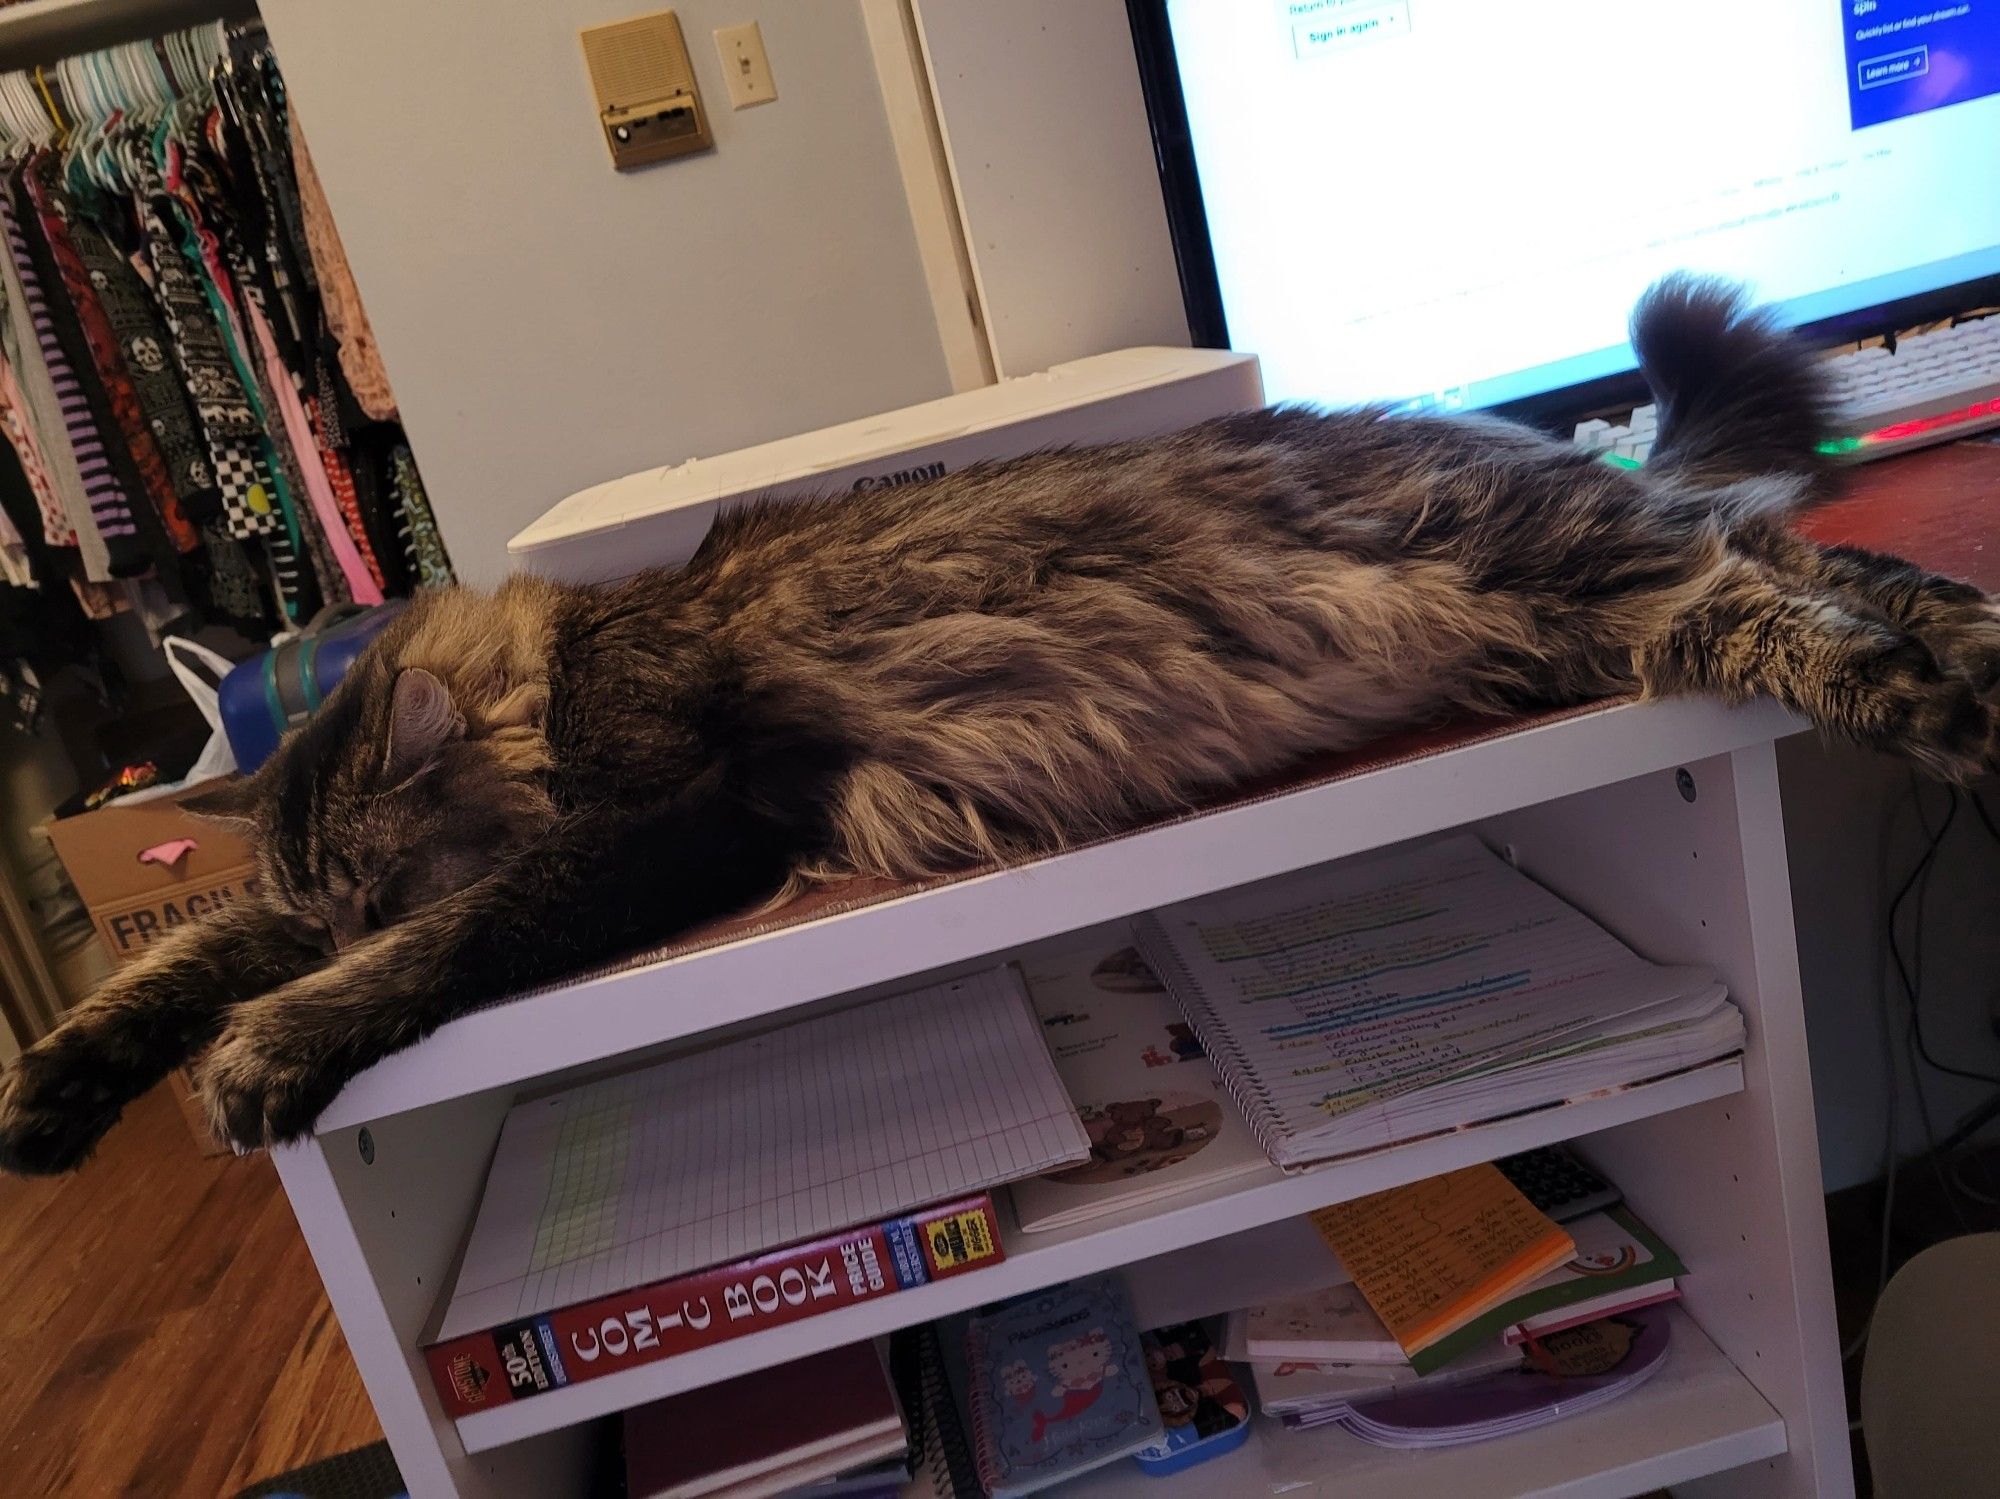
(1939, 507)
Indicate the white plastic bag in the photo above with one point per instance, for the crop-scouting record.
(201, 674)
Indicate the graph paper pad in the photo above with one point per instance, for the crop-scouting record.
(803, 1131)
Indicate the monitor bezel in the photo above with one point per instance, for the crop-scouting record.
(1201, 285)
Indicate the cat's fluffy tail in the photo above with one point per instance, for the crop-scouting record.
(1743, 406)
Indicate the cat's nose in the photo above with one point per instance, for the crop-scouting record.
(348, 924)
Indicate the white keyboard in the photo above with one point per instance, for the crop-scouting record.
(1933, 388)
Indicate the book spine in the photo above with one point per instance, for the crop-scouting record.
(1216, 1039)
(1550, 1323)
(551, 1350)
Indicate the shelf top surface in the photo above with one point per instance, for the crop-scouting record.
(868, 933)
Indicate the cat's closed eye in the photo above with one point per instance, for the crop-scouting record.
(307, 931)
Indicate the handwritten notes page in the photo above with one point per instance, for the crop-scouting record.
(1434, 1255)
(840, 1119)
(1326, 996)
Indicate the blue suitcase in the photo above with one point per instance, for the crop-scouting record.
(281, 688)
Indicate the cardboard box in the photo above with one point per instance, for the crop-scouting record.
(135, 900)
(145, 869)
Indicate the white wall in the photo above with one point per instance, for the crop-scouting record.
(1052, 158)
(550, 323)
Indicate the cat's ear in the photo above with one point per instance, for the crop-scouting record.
(231, 801)
(422, 721)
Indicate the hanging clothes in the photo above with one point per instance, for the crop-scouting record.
(369, 448)
(15, 570)
(116, 549)
(235, 595)
(101, 343)
(210, 243)
(142, 347)
(222, 410)
(423, 546)
(333, 452)
(42, 630)
(197, 425)
(346, 318)
(362, 584)
(19, 426)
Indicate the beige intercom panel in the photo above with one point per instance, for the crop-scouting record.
(646, 95)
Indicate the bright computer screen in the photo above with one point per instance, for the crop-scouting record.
(1457, 201)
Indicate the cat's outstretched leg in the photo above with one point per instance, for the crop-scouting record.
(586, 893)
(1958, 622)
(67, 1089)
(1843, 665)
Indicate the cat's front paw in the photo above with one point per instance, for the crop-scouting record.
(1963, 632)
(260, 1091)
(56, 1103)
(1888, 691)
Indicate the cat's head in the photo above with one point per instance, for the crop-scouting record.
(418, 776)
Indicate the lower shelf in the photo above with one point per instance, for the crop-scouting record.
(1697, 1416)
(1170, 1246)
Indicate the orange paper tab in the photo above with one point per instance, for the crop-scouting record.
(1432, 1256)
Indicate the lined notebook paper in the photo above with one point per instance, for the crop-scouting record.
(835, 1121)
(1419, 989)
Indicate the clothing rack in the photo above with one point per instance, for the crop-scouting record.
(43, 105)
(274, 479)
(40, 31)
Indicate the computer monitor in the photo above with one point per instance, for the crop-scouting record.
(1455, 203)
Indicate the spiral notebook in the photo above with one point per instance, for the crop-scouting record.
(1416, 990)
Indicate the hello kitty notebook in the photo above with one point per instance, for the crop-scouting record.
(1057, 1386)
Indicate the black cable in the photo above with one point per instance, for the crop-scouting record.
(1972, 1124)
(1912, 983)
(1915, 984)
(1979, 806)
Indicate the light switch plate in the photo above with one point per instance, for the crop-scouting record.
(745, 66)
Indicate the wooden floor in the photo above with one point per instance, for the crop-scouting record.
(162, 1330)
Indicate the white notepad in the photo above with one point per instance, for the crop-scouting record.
(840, 1120)
(1419, 989)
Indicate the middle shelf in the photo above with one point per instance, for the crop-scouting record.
(1166, 1285)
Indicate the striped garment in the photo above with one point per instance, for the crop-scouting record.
(110, 511)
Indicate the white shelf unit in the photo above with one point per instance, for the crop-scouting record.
(1662, 820)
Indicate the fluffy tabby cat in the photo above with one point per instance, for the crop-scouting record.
(986, 666)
